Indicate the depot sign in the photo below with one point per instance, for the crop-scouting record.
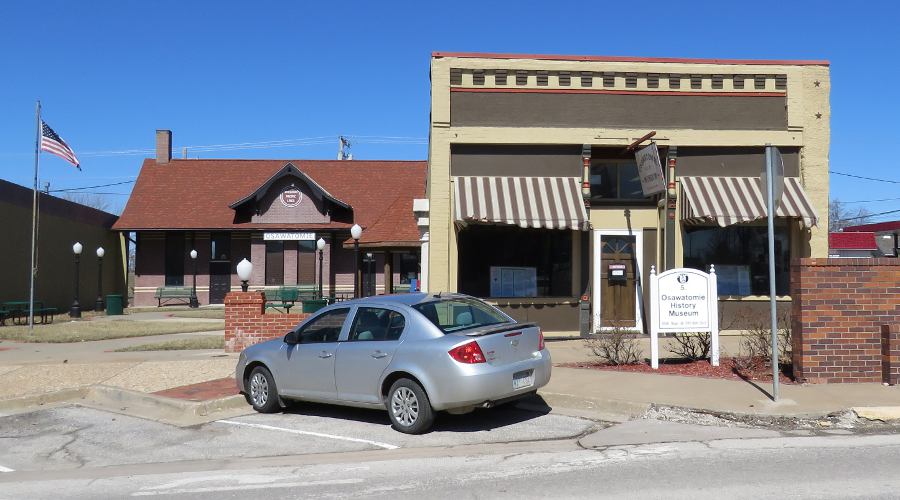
(684, 301)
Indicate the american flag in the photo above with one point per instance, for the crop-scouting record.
(51, 142)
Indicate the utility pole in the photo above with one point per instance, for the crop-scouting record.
(344, 149)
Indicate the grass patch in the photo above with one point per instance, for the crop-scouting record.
(212, 313)
(83, 331)
(217, 342)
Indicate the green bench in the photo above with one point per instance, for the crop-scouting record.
(282, 297)
(170, 293)
(19, 314)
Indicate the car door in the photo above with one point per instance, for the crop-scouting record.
(374, 336)
(308, 370)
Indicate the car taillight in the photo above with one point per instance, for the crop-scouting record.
(540, 340)
(468, 353)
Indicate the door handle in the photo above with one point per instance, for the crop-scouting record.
(325, 355)
(379, 354)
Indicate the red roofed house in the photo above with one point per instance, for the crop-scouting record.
(887, 236)
(272, 212)
(853, 244)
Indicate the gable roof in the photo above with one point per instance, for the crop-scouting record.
(876, 227)
(197, 194)
(287, 170)
(852, 241)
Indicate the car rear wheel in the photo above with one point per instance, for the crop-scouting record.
(261, 391)
(409, 408)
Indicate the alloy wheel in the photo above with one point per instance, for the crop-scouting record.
(259, 389)
(405, 406)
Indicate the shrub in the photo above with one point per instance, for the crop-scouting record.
(619, 346)
(692, 346)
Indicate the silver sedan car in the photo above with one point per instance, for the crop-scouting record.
(411, 354)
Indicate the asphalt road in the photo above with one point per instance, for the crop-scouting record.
(81, 453)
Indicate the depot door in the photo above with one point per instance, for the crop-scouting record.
(617, 301)
(219, 281)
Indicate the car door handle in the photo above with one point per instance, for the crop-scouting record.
(379, 354)
(325, 355)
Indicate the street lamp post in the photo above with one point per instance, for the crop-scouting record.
(320, 245)
(356, 233)
(98, 306)
(244, 268)
(194, 302)
(75, 310)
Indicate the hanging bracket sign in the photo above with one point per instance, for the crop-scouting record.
(650, 170)
(684, 301)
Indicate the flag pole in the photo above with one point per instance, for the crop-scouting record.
(34, 214)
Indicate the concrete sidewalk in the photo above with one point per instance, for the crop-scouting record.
(602, 394)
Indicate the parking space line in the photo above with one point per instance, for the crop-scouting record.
(6, 469)
(243, 487)
(310, 433)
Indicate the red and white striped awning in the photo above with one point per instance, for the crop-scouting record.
(537, 202)
(732, 200)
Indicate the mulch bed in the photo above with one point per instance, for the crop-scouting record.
(729, 368)
(204, 391)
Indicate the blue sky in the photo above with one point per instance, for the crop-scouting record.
(109, 72)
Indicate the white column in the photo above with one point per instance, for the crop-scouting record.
(423, 276)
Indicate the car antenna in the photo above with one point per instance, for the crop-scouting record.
(438, 295)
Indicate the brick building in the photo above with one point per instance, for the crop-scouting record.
(271, 212)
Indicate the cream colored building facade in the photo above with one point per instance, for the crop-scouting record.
(501, 116)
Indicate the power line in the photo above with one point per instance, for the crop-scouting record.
(101, 192)
(868, 201)
(869, 216)
(861, 177)
(89, 187)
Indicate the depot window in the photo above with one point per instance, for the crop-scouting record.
(616, 181)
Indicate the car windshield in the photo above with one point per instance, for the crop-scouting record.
(455, 314)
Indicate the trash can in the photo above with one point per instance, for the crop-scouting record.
(114, 305)
(313, 305)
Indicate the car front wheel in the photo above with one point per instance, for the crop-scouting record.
(261, 391)
(409, 408)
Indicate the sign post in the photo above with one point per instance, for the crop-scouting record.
(684, 300)
(773, 183)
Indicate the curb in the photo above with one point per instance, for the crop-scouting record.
(173, 411)
(879, 413)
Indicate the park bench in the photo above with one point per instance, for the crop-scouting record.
(170, 293)
(17, 311)
(282, 297)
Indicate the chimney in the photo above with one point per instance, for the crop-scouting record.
(163, 146)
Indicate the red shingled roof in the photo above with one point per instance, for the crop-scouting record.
(195, 195)
(852, 241)
(876, 227)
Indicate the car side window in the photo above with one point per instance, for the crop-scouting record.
(375, 323)
(325, 328)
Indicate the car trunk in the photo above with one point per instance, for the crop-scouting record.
(506, 344)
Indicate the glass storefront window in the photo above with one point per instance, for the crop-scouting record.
(616, 181)
(740, 254)
(545, 253)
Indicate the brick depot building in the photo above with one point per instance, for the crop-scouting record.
(271, 212)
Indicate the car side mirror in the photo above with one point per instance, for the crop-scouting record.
(292, 337)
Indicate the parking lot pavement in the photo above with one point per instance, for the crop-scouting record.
(74, 437)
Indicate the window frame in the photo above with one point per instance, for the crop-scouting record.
(173, 265)
(303, 329)
(618, 200)
(269, 269)
(356, 316)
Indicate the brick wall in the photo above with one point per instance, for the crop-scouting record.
(890, 354)
(839, 308)
(246, 322)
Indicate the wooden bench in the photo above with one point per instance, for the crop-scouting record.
(170, 293)
(282, 297)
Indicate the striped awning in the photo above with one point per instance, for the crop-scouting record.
(731, 200)
(537, 202)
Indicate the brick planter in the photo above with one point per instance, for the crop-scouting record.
(246, 321)
(840, 307)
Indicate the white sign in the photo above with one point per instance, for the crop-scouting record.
(650, 170)
(683, 300)
(289, 236)
(291, 197)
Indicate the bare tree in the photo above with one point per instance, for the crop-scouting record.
(98, 201)
(841, 216)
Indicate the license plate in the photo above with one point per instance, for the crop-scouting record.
(523, 379)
